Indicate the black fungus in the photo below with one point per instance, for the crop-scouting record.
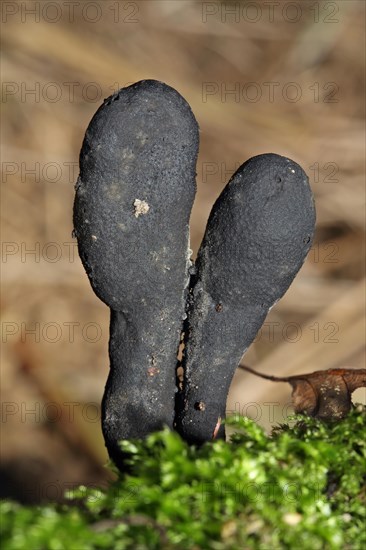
(257, 238)
(131, 213)
(133, 201)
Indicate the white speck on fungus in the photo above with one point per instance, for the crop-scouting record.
(141, 207)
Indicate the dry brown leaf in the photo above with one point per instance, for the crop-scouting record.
(324, 394)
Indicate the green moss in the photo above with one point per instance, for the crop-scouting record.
(301, 487)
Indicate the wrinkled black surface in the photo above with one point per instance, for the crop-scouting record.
(141, 144)
(257, 237)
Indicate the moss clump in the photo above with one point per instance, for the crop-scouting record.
(301, 487)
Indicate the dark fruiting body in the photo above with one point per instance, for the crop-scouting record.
(133, 201)
(257, 237)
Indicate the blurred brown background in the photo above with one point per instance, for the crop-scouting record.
(260, 77)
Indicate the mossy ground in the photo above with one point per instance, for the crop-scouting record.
(301, 487)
